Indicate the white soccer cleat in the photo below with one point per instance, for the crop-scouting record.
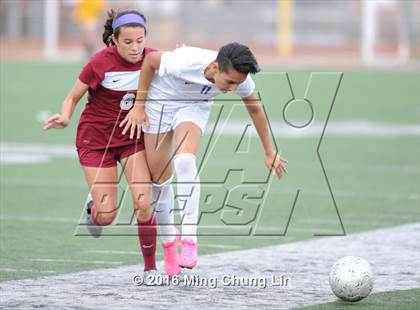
(93, 229)
(150, 276)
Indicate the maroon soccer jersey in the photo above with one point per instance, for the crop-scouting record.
(112, 85)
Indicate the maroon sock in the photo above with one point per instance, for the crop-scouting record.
(147, 236)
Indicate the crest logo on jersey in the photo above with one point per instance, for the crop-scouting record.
(127, 101)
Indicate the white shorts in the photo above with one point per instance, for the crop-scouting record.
(166, 117)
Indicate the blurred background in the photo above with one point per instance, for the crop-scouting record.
(281, 32)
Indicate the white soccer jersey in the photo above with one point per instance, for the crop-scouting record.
(181, 78)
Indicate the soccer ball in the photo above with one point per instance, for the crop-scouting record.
(351, 278)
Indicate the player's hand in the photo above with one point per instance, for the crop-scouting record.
(133, 120)
(56, 121)
(276, 164)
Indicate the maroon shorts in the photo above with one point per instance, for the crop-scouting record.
(106, 158)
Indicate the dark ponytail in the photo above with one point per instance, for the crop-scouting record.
(108, 31)
(107, 35)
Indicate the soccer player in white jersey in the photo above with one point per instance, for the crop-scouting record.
(179, 98)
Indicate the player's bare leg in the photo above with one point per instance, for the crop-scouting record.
(187, 138)
(138, 177)
(158, 155)
(103, 192)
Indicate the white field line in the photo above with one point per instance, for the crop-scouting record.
(371, 195)
(292, 228)
(378, 221)
(352, 128)
(54, 150)
(368, 223)
(372, 167)
(306, 264)
(354, 194)
(137, 253)
(43, 183)
(331, 166)
(60, 260)
(234, 127)
(318, 193)
(116, 252)
(357, 167)
(26, 270)
(20, 153)
(220, 246)
(27, 218)
(259, 229)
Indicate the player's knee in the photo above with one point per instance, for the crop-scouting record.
(160, 176)
(141, 206)
(106, 212)
(185, 164)
(105, 218)
(143, 215)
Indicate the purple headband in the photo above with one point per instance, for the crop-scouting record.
(127, 19)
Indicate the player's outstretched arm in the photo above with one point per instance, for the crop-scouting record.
(137, 115)
(59, 121)
(273, 161)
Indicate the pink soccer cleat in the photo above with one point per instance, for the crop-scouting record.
(170, 254)
(189, 254)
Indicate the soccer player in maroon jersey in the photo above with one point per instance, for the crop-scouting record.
(111, 79)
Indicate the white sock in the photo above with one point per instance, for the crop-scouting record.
(163, 204)
(188, 192)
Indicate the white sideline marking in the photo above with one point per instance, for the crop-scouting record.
(44, 182)
(117, 252)
(398, 216)
(17, 153)
(74, 261)
(330, 166)
(337, 192)
(350, 128)
(354, 194)
(20, 153)
(17, 158)
(37, 219)
(221, 246)
(306, 264)
(292, 229)
(137, 253)
(26, 270)
(345, 222)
